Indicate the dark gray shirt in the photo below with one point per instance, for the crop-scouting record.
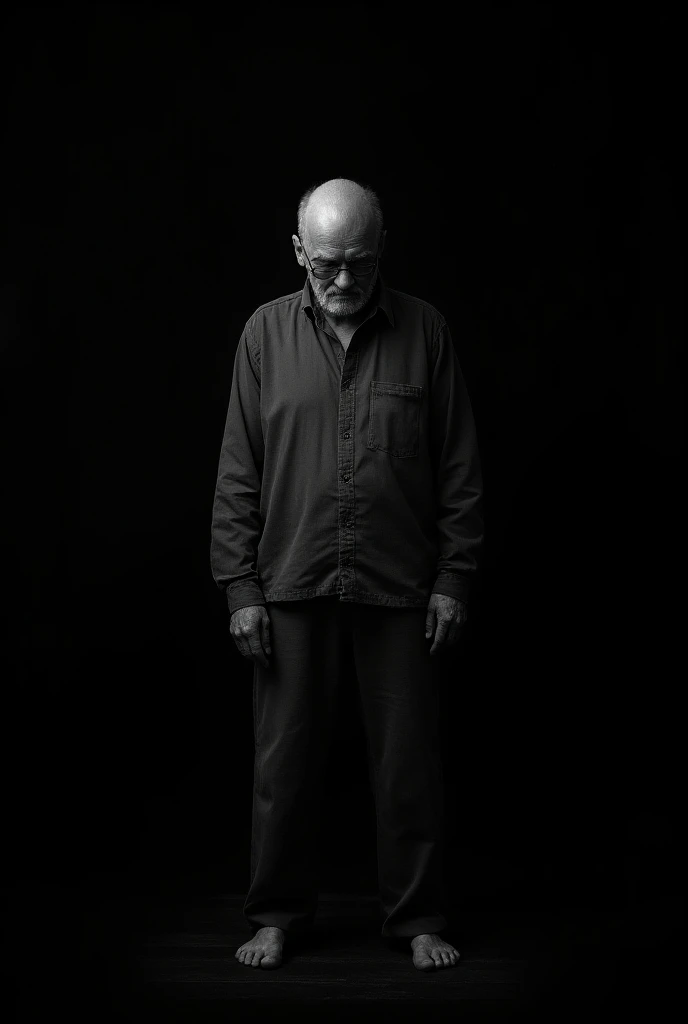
(355, 474)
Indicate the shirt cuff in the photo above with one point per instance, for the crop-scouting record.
(453, 586)
(243, 595)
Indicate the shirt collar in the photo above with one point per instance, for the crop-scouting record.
(382, 300)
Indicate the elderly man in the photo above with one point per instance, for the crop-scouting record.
(347, 511)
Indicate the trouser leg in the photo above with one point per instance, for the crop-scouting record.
(399, 689)
(292, 707)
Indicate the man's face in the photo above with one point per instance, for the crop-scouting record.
(332, 241)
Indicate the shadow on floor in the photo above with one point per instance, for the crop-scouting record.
(102, 957)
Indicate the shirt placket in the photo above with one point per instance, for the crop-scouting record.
(345, 473)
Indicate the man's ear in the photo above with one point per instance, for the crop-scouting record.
(298, 250)
(381, 246)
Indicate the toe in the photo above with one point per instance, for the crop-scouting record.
(269, 962)
(424, 963)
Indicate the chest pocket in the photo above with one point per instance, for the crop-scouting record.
(394, 420)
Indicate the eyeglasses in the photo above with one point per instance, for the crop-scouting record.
(325, 269)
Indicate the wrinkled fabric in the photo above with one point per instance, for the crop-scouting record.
(356, 473)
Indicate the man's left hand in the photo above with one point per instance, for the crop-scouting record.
(449, 614)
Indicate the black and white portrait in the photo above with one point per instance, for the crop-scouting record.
(341, 354)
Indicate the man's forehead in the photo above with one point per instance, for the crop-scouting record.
(331, 241)
(328, 251)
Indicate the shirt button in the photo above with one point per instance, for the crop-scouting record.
(345, 476)
(347, 436)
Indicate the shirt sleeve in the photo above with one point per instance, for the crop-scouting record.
(236, 522)
(457, 473)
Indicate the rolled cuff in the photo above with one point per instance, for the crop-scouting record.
(455, 586)
(243, 595)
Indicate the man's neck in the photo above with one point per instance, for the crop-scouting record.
(345, 326)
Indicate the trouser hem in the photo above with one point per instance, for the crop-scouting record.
(418, 926)
(290, 928)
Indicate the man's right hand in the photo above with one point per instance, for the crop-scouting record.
(250, 628)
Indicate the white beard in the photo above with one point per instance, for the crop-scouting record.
(344, 306)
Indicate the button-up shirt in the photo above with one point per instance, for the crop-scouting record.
(349, 472)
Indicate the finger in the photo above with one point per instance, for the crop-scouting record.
(429, 623)
(241, 645)
(256, 650)
(440, 636)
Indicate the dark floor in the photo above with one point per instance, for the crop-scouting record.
(176, 963)
(549, 967)
(344, 966)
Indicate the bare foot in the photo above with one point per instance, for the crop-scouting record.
(263, 950)
(430, 951)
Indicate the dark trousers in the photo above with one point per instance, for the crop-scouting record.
(293, 706)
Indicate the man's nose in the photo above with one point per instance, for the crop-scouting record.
(344, 279)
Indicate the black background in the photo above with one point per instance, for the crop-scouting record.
(525, 161)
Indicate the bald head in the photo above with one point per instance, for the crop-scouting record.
(340, 206)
